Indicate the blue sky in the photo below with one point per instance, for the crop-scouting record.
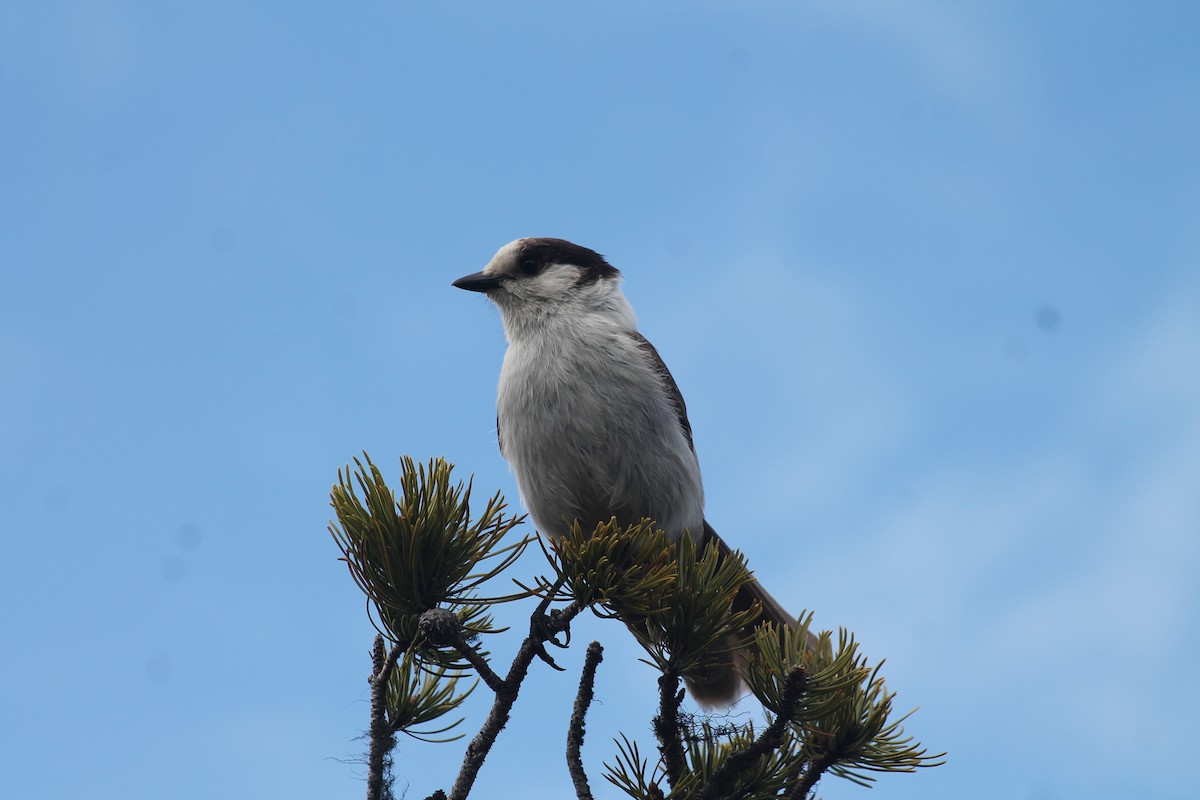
(926, 273)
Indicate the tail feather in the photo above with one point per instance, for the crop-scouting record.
(722, 685)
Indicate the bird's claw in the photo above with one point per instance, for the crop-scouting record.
(545, 628)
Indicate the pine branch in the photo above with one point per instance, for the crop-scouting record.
(542, 628)
(666, 726)
(382, 735)
(422, 561)
(738, 763)
(575, 733)
(443, 629)
(811, 775)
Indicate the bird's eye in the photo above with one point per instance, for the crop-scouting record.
(529, 266)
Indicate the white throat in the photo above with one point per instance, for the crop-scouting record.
(580, 309)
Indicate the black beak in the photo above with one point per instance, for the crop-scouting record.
(478, 282)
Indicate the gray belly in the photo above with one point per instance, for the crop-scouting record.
(588, 443)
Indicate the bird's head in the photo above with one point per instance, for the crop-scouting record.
(542, 281)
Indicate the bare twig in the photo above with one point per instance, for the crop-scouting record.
(382, 737)
(575, 733)
(736, 764)
(542, 628)
(666, 726)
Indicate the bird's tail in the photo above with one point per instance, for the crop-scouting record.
(721, 685)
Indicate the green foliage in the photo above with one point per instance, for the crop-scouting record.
(860, 737)
(627, 571)
(416, 697)
(845, 712)
(674, 596)
(832, 677)
(631, 772)
(418, 549)
(776, 771)
(697, 627)
(421, 550)
(774, 774)
(840, 724)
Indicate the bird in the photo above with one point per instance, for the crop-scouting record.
(590, 419)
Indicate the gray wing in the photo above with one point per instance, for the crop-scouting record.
(673, 393)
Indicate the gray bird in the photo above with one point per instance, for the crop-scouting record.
(590, 419)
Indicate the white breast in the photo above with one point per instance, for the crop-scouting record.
(590, 433)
